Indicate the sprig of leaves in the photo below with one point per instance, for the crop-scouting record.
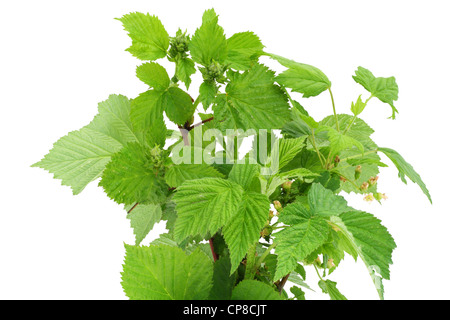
(225, 240)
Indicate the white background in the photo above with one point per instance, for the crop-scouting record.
(58, 59)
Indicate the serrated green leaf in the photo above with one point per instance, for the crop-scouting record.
(371, 240)
(244, 49)
(298, 293)
(147, 117)
(164, 239)
(305, 234)
(205, 205)
(166, 273)
(295, 278)
(131, 177)
(330, 288)
(405, 169)
(254, 290)
(209, 42)
(358, 106)
(223, 280)
(358, 129)
(244, 174)
(283, 151)
(252, 101)
(178, 105)
(184, 69)
(176, 175)
(323, 202)
(385, 89)
(339, 141)
(142, 219)
(303, 78)
(244, 228)
(80, 157)
(154, 75)
(208, 91)
(150, 40)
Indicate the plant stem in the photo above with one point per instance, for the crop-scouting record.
(354, 117)
(132, 208)
(334, 109)
(317, 271)
(200, 123)
(313, 142)
(196, 102)
(264, 255)
(358, 155)
(211, 245)
(282, 283)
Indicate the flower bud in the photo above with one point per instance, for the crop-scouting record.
(364, 186)
(287, 185)
(277, 205)
(271, 214)
(373, 180)
(337, 159)
(378, 196)
(264, 233)
(330, 263)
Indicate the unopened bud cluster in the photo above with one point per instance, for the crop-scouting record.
(179, 45)
(214, 72)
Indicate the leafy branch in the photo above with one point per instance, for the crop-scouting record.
(236, 228)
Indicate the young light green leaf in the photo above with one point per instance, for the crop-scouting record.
(208, 91)
(244, 49)
(178, 105)
(302, 77)
(371, 240)
(244, 228)
(340, 141)
(385, 89)
(405, 169)
(80, 157)
(166, 273)
(154, 75)
(252, 101)
(142, 219)
(205, 205)
(209, 43)
(131, 177)
(150, 40)
(147, 117)
(184, 69)
(254, 290)
(329, 287)
(358, 106)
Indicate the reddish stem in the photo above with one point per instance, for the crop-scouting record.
(135, 205)
(200, 123)
(214, 254)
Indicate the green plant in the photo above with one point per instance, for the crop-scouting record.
(224, 239)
